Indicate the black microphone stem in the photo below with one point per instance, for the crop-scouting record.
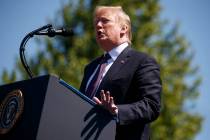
(22, 48)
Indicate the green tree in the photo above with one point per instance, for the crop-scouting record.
(66, 57)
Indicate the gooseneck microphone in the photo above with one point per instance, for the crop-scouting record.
(51, 32)
(44, 30)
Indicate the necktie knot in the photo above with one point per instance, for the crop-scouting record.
(105, 58)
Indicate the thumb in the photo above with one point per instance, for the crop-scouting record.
(96, 100)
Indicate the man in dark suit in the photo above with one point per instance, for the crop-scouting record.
(126, 83)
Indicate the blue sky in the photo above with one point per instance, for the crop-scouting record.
(194, 19)
(17, 18)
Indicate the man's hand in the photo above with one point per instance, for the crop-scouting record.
(107, 102)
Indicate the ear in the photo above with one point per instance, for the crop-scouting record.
(124, 30)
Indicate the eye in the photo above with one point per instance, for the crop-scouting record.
(105, 20)
(102, 20)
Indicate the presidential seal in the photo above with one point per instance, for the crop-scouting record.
(10, 110)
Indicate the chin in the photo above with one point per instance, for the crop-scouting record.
(101, 40)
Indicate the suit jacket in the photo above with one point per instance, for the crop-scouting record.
(134, 82)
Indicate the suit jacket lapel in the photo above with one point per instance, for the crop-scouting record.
(118, 64)
(90, 69)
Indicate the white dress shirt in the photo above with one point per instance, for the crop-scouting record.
(114, 53)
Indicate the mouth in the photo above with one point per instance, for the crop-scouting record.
(99, 33)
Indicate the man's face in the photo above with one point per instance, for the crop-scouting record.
(107, 29)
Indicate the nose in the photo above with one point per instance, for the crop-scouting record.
(98, 24)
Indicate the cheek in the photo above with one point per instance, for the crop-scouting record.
(115, 33)
(113, 30)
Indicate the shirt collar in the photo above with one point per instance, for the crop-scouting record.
(115, 52)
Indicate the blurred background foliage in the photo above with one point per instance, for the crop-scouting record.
(66, 58)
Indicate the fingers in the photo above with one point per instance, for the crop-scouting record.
(107, 102)
(113, 107)
(105, 98)
(108, 96)
(111, 101)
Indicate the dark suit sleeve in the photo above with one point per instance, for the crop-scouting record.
(84, 80)
(147, 108)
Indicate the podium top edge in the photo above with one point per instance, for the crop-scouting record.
(36, 77)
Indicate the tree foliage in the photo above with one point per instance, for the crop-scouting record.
(66, 57)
